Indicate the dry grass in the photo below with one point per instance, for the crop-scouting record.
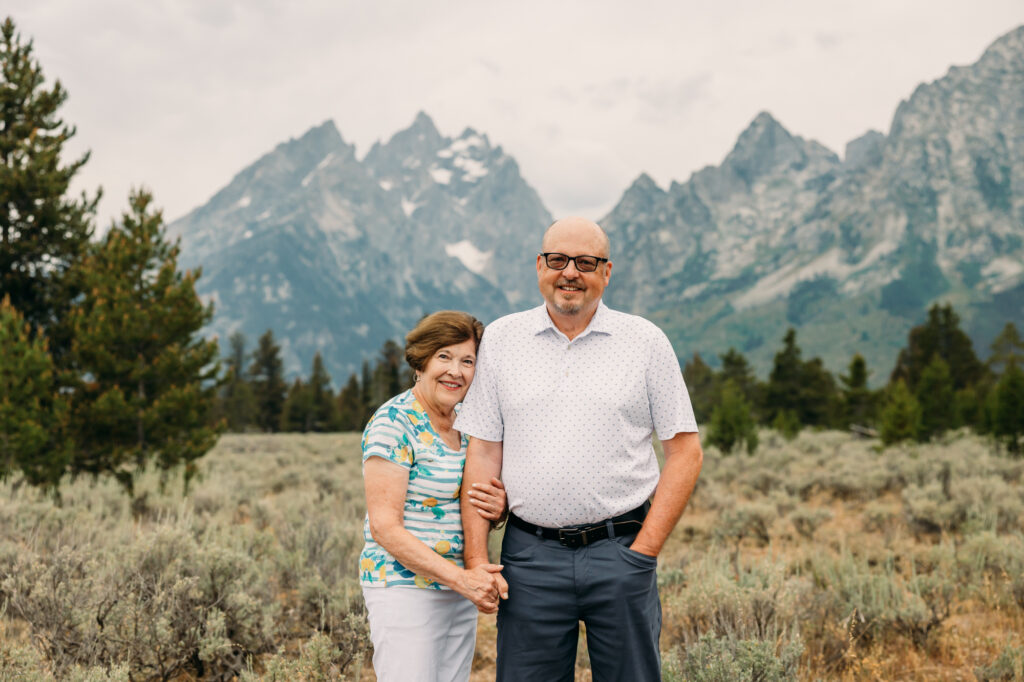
(866, 560)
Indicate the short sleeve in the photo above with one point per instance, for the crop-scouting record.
(480, 415)
(671, 411)
(387, 437)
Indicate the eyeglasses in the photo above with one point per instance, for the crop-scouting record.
(560, 261)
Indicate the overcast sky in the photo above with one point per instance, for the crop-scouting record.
(180, 95)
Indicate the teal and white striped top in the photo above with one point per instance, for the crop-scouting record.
(400, 432)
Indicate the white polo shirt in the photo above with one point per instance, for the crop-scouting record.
(576, 417)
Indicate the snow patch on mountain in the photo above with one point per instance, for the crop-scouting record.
(441, 176)
(409, 207)
(473, 258)
(472, 168)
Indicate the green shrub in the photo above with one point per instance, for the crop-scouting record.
(731, 422)
(726, 659)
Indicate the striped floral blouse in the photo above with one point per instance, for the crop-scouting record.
(400, 432)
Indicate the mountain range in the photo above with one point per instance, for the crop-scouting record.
(338, 254)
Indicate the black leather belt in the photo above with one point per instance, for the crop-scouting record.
(577, 536)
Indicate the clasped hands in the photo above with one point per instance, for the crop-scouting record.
(484, 586)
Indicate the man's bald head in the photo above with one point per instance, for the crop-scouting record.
(578, 229)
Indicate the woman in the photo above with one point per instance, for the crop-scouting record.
(421, 602)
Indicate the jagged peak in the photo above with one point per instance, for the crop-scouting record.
(1007, 48)
(325, 132)
(644, 183)
(764, 145)
(423, 124)
(763, 130)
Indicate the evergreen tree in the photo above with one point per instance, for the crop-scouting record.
(939, 335)
(858, 403)
(736, 369)
(901, 415)
(785, 380)
(268, 386)
(1006, 348)
(324, 410)
(1008, 413)
(42, 231)
(700, 382)
(818, 396)
(366, 397)
(351, 410)
(787, 423)
(731, 422)
(805, 388)
(297, 413)
(32, 415)
(387, 375)
(935, 396)
(238, 404)
(145, 380)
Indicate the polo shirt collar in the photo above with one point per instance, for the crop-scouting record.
(600, 323)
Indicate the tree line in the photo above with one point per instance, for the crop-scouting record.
(256, 397)
(937, 384)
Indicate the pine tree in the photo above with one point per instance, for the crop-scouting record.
(366, 397)
(324, 409)
(297, 413)
(238, 404)
(33, 417)
(731, 422)
(785, 380)
(858, 403)
(387, 375)
(42, 231)
(351, 409)
(700, 383)
(1007, 347)
(736, 369)
(1008, 417)
(901, 415)
(268, 386)
(146, 381)
(805, 388)
(939, 335)
(935, 396)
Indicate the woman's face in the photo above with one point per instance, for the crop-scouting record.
(448, 374)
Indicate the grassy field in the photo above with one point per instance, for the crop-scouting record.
(818, 558)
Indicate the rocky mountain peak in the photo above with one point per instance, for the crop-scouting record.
(762, 147)
(1006, 52)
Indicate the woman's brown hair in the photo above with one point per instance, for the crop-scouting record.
(437, 330)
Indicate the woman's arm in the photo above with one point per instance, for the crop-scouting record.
(386, 485)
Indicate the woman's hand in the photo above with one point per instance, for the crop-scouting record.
(489, 500)
(480, 585)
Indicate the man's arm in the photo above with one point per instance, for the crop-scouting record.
(683, 459)
(483, 462)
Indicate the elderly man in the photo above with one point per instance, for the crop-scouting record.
(565, 401)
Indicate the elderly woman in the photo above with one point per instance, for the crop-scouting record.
(422, 603)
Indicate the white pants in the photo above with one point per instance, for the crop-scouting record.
(420, 635)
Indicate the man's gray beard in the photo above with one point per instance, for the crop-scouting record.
(567, 309)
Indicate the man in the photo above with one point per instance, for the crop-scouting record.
(564, 403)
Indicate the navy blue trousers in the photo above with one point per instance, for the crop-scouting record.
(610, 588)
